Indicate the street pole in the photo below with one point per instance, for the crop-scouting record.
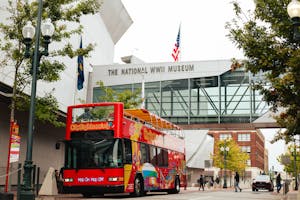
(295, 165)
(225, 150)
(225, 177)
(26, 192)
(293, 10)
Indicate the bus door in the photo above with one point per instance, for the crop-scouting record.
(128, 174)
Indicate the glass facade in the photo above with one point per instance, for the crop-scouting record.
(228, 98)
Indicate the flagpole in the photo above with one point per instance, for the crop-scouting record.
(75, 82)
(143, 91)
(180, 52)
(75, 87)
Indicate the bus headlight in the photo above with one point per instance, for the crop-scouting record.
(68, 180)
(113, 179)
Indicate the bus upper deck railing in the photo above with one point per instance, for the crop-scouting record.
(153, 121)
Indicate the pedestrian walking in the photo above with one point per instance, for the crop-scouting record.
(217, 181)
(212, 181)
(201, 182)
(278, 182)
(236, 182)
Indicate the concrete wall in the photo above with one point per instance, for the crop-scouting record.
(199, 146)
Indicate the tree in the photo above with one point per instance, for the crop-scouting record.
(266, 38)
(11, 44)
(236, 160)
(290, 166)
(131, 99)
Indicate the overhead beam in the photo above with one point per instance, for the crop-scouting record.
(230, 126)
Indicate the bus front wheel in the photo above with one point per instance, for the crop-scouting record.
(138, 187)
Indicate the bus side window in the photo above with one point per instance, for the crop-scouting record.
(127, 151)
(159, 156)
(165, 157)
(162, 157)
(153, 156)
(144, 153)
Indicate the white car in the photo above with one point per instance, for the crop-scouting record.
(262, 182)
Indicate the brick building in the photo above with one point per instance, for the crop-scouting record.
(250, 141)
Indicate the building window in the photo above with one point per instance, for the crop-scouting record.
(246, 149)
(248, 163)
(225, 136)
(243, 137)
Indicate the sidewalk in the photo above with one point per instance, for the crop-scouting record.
(292, 195)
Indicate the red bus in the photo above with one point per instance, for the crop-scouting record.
(109, 149)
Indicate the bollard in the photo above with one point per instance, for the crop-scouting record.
(37, 185)
(19, 180)
(33, 174)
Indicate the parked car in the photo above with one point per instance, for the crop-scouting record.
(262, 182)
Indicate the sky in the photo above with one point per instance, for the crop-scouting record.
(152, 37)
(153, 33)
(274, 149)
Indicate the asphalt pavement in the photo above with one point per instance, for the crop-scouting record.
(291, 195)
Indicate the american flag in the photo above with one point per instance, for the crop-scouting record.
(176, 49)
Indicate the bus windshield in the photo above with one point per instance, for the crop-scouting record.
(93, 114)
(100, 153)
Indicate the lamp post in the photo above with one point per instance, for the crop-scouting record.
(295, 165)
(293, 10)
(28, 32)
(225, 151)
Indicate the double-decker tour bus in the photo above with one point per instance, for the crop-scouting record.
(109, 149)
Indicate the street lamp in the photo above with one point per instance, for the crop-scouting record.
(295, 165)
(28, 32)
(293, 10)
(225, 151)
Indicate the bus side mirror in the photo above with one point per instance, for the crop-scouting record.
(57, 146)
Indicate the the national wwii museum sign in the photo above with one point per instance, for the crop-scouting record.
(134, 70)
(136, 73)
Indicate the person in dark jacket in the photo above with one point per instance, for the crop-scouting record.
(278, 182)
(217, 181)
(201, 182)
(236, 182)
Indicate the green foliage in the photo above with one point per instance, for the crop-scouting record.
(131, 99)
(235, 158)
(61, 12)
(266, 37)
(46, 108)
(290, 168)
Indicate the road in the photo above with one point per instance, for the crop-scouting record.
(189, 194)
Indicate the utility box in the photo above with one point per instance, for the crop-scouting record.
(6, 196)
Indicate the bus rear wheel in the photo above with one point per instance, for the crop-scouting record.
(138, 187)
(176, 188)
